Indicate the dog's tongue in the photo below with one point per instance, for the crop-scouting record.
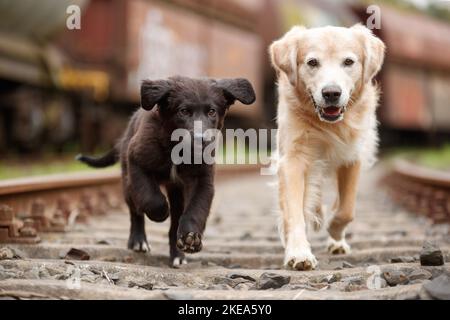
(332, 111)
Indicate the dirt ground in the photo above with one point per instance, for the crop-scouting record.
(241, 258)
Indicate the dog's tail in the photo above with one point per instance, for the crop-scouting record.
(106, 160)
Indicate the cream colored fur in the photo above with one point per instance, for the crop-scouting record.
(311, 148)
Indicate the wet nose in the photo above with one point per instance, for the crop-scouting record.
(331, 93)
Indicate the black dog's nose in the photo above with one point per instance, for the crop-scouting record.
(331, 93)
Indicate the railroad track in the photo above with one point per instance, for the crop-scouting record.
(29, 206)
(242, 254)
(422, 190)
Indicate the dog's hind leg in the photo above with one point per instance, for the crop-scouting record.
(138, 239)
(319, 217)
(347, 187)
(176, 200)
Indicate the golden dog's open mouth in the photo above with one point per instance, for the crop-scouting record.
(331, 111)
(331, 114)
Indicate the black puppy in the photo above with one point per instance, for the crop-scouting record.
(145, 155)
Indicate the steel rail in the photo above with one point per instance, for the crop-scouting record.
(52, 203)
(57, 181)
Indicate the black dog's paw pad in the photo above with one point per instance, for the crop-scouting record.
(190, 242)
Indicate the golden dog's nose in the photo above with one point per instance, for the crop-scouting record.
(331, 93)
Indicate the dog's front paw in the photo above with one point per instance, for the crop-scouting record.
(338, 247)
(303, 260)
(190, 242)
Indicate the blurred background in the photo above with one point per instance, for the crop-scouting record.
(64, 91)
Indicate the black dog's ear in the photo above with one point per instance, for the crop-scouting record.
(237, 89)
(152, 92)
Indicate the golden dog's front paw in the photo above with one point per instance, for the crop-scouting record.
(301, 261)
(338, 247)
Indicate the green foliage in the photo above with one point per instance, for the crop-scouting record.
(436, 158)
(17, 167)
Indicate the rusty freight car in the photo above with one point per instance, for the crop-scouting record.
(31, 108)
(62, 84)
(416, 74)
(42, 92)
(87, 80)
(138, 39)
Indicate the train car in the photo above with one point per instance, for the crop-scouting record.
(415, 78)
(87, 80)
(61, 86)
(139, 39)
(35, 106)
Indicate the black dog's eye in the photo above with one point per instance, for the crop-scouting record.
(184, 112)
(313, 63)
(348, 62)
(212, 113)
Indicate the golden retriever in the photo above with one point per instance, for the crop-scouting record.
(326, 127)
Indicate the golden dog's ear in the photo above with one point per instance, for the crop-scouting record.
(284, 53)
(374, 50)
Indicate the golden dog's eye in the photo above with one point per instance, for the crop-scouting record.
(212, 113)
(313, 63)
(348, 62)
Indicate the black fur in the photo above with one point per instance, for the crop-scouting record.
(106, 160)
(145, 151)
